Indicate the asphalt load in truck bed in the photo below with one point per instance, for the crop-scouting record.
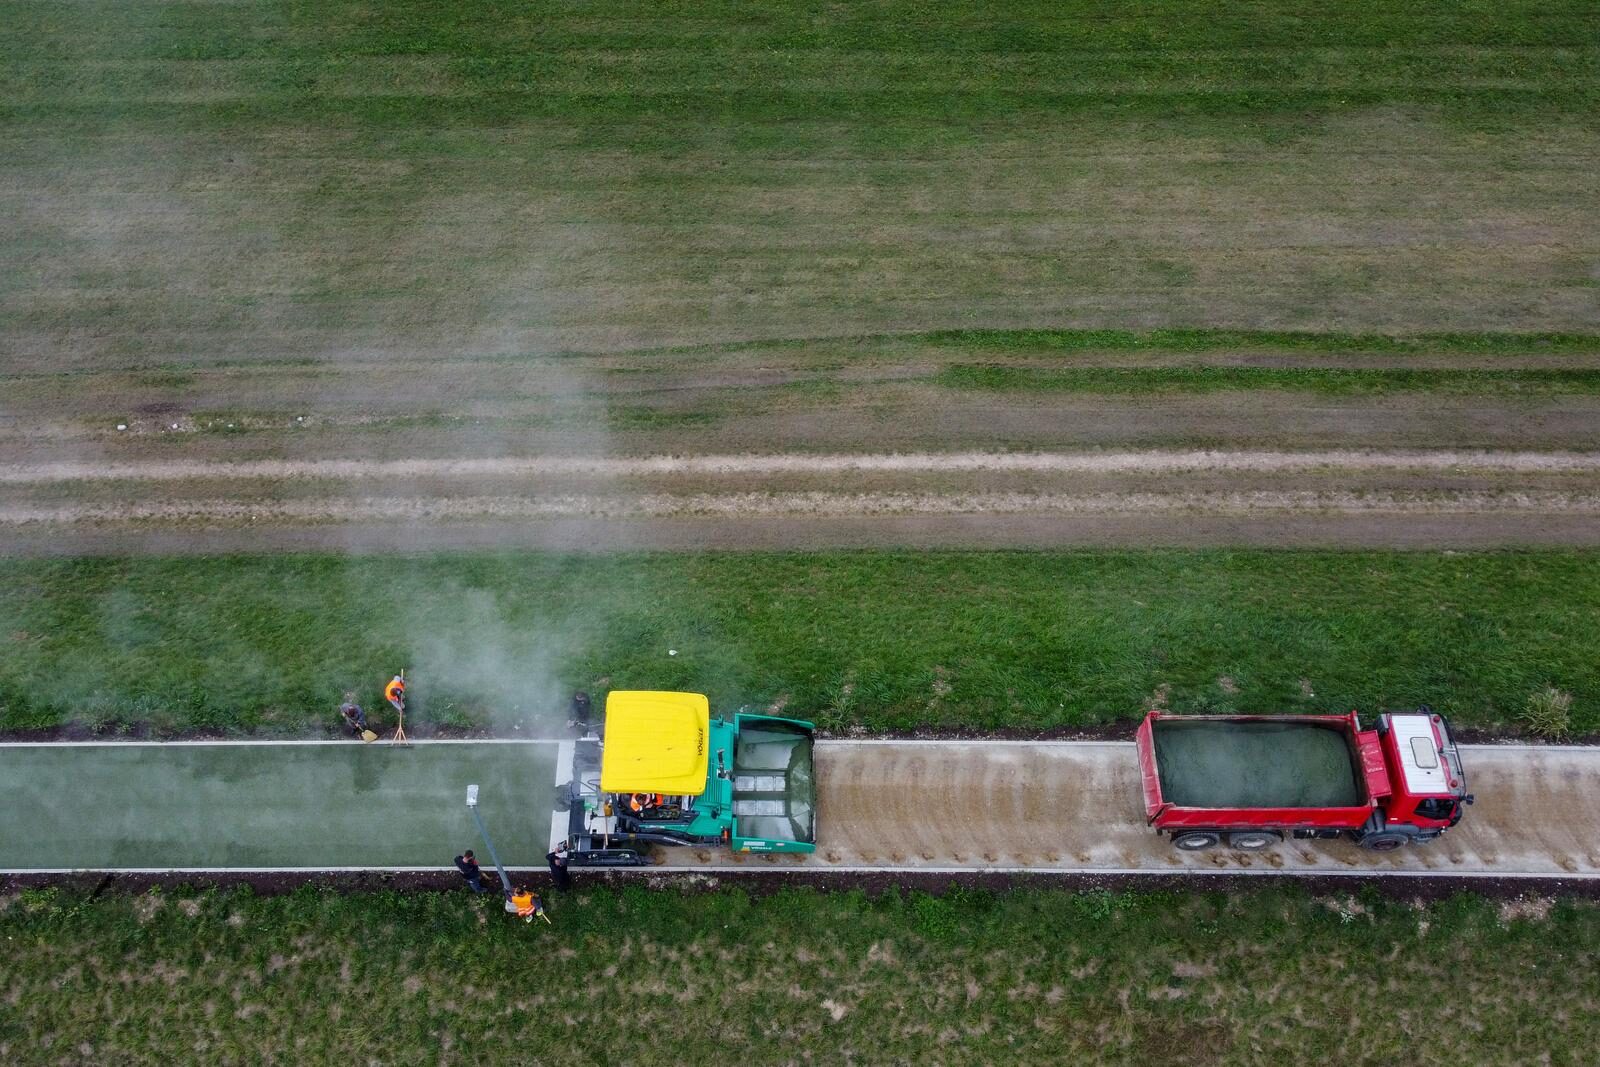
(1212, 764)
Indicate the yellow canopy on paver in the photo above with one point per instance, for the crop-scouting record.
(655, 743)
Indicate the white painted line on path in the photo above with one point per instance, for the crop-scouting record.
(1184, 872)
(963, 742)
(1165, 872)
(829, 742)
(242, 743)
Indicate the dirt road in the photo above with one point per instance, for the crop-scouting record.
(1395, 498)
(1076, 806)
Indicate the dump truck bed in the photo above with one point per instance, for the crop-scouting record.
(1224, 770)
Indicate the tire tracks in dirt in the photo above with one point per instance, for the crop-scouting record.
(1418, 498)
(790, 463)
(820, 504)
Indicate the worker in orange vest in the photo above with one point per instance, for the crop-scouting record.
(527, 904)
(395, 693)
(639, 803)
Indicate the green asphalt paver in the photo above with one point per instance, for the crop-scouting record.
(308, 806)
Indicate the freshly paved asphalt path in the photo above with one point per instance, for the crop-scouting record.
(308, 805)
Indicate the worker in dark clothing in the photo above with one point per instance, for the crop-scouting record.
(579, 723)
(467, 864)
(354, 718)
(558, 867)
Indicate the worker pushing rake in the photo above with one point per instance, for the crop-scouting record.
(355, 719)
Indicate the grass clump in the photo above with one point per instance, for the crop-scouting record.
(965, 977)
(882, 640)
(1548, 712)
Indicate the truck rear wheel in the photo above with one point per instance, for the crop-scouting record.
(1253, 840)
(1383, 841)
(1196, 840)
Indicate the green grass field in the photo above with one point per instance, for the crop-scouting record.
(254, 214)
(641, 977)
(262, 181)
(880, 640)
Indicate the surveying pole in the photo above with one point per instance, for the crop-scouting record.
(472, 805)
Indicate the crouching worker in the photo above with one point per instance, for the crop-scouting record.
(355, 719)
(525, 903)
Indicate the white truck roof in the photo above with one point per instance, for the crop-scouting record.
(1421, 761)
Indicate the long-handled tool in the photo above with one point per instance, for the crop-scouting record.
(395, 693)
(472, 805)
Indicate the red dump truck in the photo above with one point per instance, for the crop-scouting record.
(1249, 781)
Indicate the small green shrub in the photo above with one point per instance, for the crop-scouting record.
(1100, 905)
(936, 919)
(1548, 712)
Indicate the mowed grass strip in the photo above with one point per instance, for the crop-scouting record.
(1330, 381)
(642, 977)
(614, 60)
(871, 640)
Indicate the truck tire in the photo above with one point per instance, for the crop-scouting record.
(1383, 841)
(1196, 840)
(1253, 840)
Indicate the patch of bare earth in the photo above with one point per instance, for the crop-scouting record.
(1534, 908)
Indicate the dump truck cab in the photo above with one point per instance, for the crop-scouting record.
(1425, 782)
(665, 772)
